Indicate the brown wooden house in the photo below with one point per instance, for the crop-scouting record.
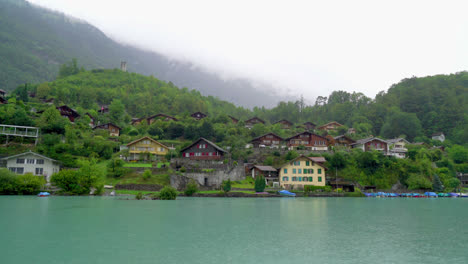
(68, 112)
(269, 173)
(114, 130)
(203, 149)
(372, 143)
(233, 119)
(137, 121)
(198, 115)
(332, 126)
(270, 139)
(308, 140)
(253, 121)
(162, 117)
(343, 141)
(285, 124)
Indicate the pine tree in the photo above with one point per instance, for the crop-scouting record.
(260, 183)
(437, 184)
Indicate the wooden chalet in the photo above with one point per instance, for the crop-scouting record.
(308, 140)
(351, 131)
(285, 124)
(137, 121)
(114, 130)
(371, 143)
(343, 141)
(104, 109)
(2, 93)
(345, 185)
(146, 148)
(309, 126)
(198, 115)
(233, 119)
(160, 116)
(68, 112)
(253, 121)
(270, 140)
(332, 126)
(203, 149)
(269, 173)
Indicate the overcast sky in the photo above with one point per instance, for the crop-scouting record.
(302, 47)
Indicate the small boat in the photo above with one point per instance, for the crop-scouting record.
(416, 195)
(43, 194)
(464, 195)
(287, 193)
(454, 194)
(392, 195)
(430, 194)
(443, 195)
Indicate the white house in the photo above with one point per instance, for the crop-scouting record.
(34, 163)
(397, 147)
(438, 136)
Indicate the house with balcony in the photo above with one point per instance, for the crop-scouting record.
(253, 121)
(308, 140)
(268, 172)
(371, 143)
(397, 147)
(114, 130)
(332, 126)
(203, 149)
(146, 148)
(303, 171)
(285, 124)
(343, 141)
(268, 140)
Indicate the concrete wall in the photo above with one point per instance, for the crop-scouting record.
(213, 179)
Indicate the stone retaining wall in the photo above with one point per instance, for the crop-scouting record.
(139, 187)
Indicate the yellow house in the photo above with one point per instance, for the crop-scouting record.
(143, 147)
(303, 171)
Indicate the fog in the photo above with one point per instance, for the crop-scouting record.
(299, 47)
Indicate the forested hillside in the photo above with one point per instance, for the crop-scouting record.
(35, 41)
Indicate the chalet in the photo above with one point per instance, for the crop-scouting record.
(270, 140)
(332, 126)
(269, 173)
(438, 136)
(104, 109)
(285, 124)
(343, 141)
(203, 149)
(303, 171)
(371, 143)
(308, 140)
(162, 117)
(2, 93)
(198, 115)
(233, 119)
(31, 162)
(114, 131)
(397, 147)
(143, 148)
(309, 126)
(253, 121)
(68, 113)
(351, 131)
(92, 123)
(137, 121)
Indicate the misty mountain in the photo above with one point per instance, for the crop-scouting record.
(35, 41)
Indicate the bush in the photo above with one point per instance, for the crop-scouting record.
(80, 181)
(147, 175)
(312, 188)
(259, 184)
(168, 193)
(183, 169)
(192, 187)
(29, 184)
(8, 182)
(139, 196)
(226, 186)
(418, 182)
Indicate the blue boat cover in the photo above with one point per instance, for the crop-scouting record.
(284, 192)
(430, 194)
(454, 194)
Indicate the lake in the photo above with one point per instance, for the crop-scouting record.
(233, 230)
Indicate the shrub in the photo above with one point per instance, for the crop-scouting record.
(80, 181)
(8, 182)
(192, 187)
(312, 188)
(168, 193)
(260, 184)
(226, 186)
(29, 184)
(147, 175)
(418, 182)
(139, 196)
(183, 169)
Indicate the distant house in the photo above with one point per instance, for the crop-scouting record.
(162, 117)
(3, 100)
(438, 136)
(143, 148)
(309, 126)
(371, 143)
(92, 123)
(397, 147)
(351, 131)
(2, 93)
(31, 162)
(104, 109)
(69, 113)
(269, 173)
(253, 121)
(114, 130)
(137, 121)
(233, 119)
(308, 140)
(332, 126)
(343, 141)
(270, 140)
(303, 171)
(198, 115)
(285, 124)
(203, 149)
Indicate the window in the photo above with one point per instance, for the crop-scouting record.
(39, 171)
(210, 153)
(305, 179)
(307, 163)
(300, 178)
(161, 149)
(297, 163)
(285, 179)
(187, 154)
(320, 179)
(17, 170)
(310, 179)
(30, 161)
(319, 171)
(285, 171)
(39, 161)
(294, 171)
(294, 178)
(299, 171)
(19, 161)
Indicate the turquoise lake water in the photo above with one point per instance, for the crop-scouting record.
(221, 230)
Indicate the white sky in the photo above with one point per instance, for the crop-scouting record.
(301, 47)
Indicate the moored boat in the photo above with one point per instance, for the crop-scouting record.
(43, 194)
(287, 193)
(430, 194)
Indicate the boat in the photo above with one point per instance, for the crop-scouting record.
(454, 194)
(416, 195)
(43, 194)
(443, 195)
(464, 195)
(287, 193)
(392, 195)
(430, 194)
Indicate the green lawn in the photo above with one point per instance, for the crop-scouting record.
(132, 192)
(244, 184)
(137, 165)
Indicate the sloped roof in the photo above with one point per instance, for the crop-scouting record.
(253, 118)
(437, 134)
(208, 141)
(333, 122)
(318, 160)
(28, 152)
(233, 118)
(103, 126)
(344, 136)
(265, 168)
(271, 133)
(306, 132)
(163, 115)
(284, 121)
(395, 140)
(365, 140)
(135, 141)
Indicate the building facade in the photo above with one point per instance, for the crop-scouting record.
(203, 149)
(269, 173)
(308, 140)
(267, 140)
(114, 130)
(285, 124)
(397, 147)
(253, 121)
(343, 141)
(146, 148)
(438, 136)
(31, 162)
(302, 171)
(332, 126)
(372, 143)
(198, 115)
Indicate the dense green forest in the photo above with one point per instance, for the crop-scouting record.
(35, 41)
